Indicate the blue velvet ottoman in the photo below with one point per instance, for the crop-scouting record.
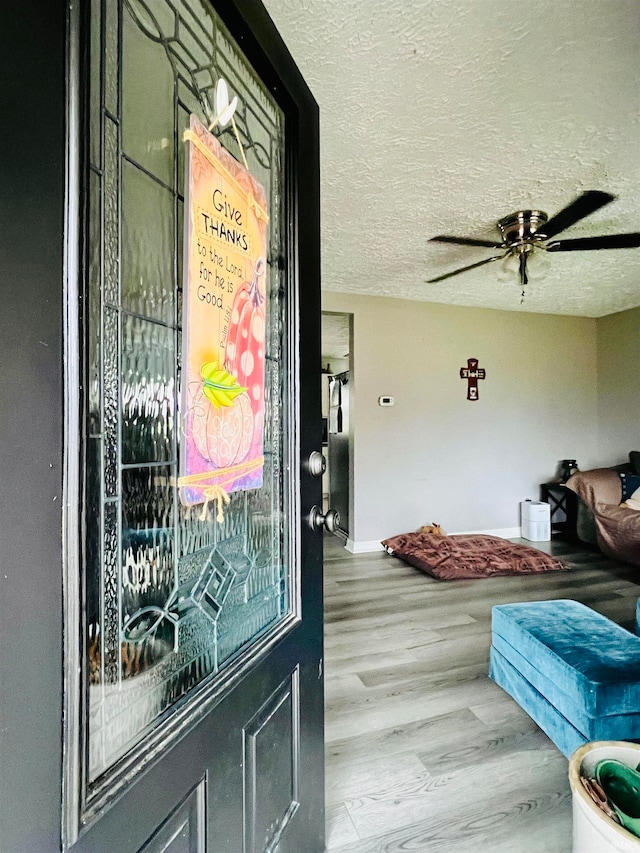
(576, 673)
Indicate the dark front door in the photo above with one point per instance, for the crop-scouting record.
(162, 597)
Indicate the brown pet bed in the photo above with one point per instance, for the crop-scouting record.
(469, 556)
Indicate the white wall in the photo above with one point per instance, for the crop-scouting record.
(618, 386)
(435, 456)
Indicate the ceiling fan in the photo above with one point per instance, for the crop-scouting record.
(524, 234)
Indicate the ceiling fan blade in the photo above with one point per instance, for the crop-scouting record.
(464, 269)
(608, 241)
(466, 241)
(584, 205)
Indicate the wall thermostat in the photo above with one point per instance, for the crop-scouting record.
(386, 401)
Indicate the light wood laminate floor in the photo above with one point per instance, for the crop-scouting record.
(425, 753)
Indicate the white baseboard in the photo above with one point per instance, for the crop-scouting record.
(364, 547)
(502, 532)
(368, 546)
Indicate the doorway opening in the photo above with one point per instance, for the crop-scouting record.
(338, 416)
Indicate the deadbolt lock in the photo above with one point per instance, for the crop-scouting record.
(317, 464)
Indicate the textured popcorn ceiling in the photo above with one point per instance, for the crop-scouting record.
(335, 335)
(442, 116)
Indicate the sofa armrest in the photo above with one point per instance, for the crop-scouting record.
(600, 485)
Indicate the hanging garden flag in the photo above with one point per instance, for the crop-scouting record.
(224, 314)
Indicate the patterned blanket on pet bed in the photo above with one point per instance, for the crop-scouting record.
(469, 556)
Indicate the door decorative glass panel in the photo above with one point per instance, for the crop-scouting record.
(173, 594)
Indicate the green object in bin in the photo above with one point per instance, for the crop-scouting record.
(621, 784)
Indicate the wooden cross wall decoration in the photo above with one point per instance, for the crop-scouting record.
(472, 373)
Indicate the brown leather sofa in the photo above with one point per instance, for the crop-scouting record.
(601, 517)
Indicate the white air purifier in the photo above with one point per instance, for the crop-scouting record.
(535, 521)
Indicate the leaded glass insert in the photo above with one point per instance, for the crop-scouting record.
(172, 594)
(148, 244)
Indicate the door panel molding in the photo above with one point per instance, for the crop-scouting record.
(272, 738)
(184, 831)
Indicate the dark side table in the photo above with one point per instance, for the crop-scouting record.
(563, 508)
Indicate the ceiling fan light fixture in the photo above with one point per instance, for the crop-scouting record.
(538, 264)
(508, 269)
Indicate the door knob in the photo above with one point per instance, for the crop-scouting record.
(317, 464)
(317, 519)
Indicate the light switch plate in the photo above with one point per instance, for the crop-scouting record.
(386, 401)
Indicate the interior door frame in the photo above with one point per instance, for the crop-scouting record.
(40, 424)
